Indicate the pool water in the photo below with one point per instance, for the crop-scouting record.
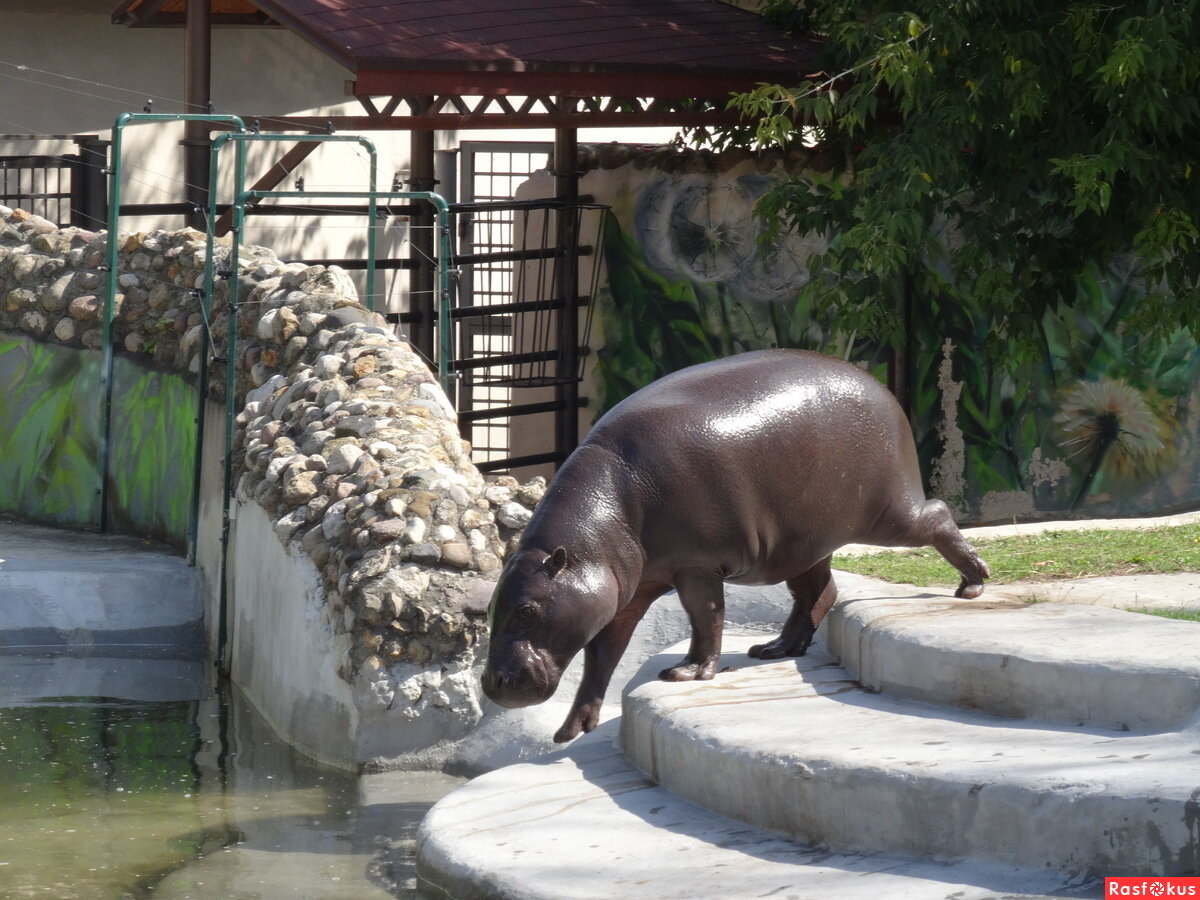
(191, 798)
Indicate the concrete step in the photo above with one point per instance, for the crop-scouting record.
(39, 679)
(64, 591)
(799, 747)
(585, 824)
(1077, 665)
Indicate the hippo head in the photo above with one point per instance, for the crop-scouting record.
(546, 607)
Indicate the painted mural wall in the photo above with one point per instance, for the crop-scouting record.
(50, 435)
(1103, 424)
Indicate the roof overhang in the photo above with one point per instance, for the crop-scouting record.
(170, 13)
(652, 62)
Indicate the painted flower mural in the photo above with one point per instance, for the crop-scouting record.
(705, 230)
(1113, 429)
(1099, 423)
(694, 275)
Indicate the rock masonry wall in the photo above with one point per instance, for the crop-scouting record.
(342, 433)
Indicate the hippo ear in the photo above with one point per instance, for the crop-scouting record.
(557, 561)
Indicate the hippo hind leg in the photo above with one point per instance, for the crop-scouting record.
(935, 526)
(813, 594)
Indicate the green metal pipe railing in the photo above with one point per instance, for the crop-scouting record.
(244, 198)
(114, 212)
(445, 342)
(240, 140)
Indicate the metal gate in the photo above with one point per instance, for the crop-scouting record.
(68, 189)
(519, 262)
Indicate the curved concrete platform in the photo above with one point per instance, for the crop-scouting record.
(799, 747)
(1077, 665)
(585, 824)
(891, 766)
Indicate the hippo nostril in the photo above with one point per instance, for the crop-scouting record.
(499, 685)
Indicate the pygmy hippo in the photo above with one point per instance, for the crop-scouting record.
(753, 470)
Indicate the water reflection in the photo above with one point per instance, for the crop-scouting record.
(194, 798)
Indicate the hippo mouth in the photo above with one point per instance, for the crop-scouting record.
(525, 678)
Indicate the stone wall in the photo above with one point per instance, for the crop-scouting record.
(342, 435)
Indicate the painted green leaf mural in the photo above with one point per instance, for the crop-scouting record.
(50, 441)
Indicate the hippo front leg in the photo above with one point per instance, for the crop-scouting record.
(703, 599)
(600, 658)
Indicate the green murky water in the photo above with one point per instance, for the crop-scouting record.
(107, 798)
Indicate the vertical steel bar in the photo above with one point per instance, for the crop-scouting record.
(224, 655)
(241, 198)
(110, 300)
(372, 230)
(204, 349)
(114, 212)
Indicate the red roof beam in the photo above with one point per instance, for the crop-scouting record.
(673, 84)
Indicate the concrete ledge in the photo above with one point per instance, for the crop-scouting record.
(798, 747)
(1078, 665)
(63, 591)
(586, 824)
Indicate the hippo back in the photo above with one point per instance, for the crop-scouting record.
(775, 458)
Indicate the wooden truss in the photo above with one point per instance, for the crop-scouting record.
(451, 112)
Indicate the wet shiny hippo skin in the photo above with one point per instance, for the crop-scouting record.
(753, 470)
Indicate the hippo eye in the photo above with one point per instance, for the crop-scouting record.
(524, 615)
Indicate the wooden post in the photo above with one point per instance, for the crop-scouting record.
(423, 284)
(198, 93)
(566, 189)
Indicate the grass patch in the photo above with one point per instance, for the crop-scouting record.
(1187, 615)
(1049, 556)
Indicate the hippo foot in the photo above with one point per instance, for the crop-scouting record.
(580, 721)
(968, 591)
(689, 671)
(783, 646)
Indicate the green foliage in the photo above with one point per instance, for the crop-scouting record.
(1054, 136)
(1050, 556)
(655, 325)
(154, 439)
(1006, 411)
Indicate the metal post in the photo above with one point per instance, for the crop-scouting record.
(110, 302)
(89, 191)
(241, 198)
(566, 189)
(421, 243)
(224, 654)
